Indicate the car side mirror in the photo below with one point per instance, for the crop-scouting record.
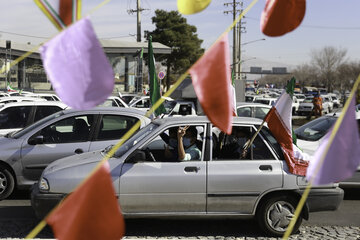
(36, 140)
(137, 156)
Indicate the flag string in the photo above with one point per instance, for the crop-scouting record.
(320, 163)
(130, 132)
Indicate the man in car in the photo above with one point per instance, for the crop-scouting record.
(187, 149)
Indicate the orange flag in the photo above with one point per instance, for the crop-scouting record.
(91, 212)
(281, 16)
(211, 79)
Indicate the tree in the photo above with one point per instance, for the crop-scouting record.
(327, 60)
(173, 30)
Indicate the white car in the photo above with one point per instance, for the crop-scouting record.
(113, 101)
(256, 110)
(295, 105)
(143, 103)
(47, 96)
(6, 100)
(14, 116)
(327, 99)
(300, 97)
(307, 106)
(266, 101)
(310, 135)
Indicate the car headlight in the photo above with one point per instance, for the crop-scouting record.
(44, 185)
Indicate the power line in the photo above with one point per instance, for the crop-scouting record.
(316, 26)
(23, 35)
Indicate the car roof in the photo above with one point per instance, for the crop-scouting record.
(35, 103)
(184, 120)
(253, 104)
(22, 98)
(107, 109)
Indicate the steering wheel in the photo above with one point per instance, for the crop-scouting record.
(149, 153)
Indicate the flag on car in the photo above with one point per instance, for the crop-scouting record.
(77, 66)
(338, 155)
(61, 13)
(211, 79)
(279, 123)
(281, 16)
(153, 81)
(90, 212)
(188, 7)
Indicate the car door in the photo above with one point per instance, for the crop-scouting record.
(235, 182)
(110, 129)
(60, 139)
(164, 186)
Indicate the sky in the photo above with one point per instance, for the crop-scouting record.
(326, 23)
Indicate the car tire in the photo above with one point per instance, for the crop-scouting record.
(7, 183)
(274, 215)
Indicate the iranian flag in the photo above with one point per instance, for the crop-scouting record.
(61, 13)
(279, 123)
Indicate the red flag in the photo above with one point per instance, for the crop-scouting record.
(91, 212)
(281, 16)
(211, 79)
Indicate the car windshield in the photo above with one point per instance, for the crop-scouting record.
(29, 128)
(308, 100)
(316, 129)
(169, 105)
(136, 138)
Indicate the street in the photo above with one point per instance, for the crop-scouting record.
(17, 219)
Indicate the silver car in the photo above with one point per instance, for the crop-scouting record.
(216, 183)
(24, 154)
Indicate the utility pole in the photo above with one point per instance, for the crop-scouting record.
(236, 65)
(138, 11)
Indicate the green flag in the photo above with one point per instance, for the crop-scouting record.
(153, 81)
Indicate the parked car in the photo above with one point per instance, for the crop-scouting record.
(256, 110)
(6, 100)
(25, 154)
(215, 184)
(17, 115)
(335, 100)
(47, 96)
(300, 97)
(127, 97)
(143, 103)
(310, 135)
(113, 101)
(265, 100)
(307, 106)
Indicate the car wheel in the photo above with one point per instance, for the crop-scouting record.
(274, 215)
(7, 183)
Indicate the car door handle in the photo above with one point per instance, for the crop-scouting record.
(79, 150)
(191, 169)
(265, 167)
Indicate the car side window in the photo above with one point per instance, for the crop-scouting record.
(164, 147)
(261, 112)
(113, 127)
(73, 129)
(14, 117)
(236, 145)
(244, 112)
(44, 111)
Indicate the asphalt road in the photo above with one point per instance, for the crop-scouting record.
(17, 219)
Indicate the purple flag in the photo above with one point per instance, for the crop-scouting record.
(343, 156)
(77, 66)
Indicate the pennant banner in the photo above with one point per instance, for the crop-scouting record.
(61, 13)
(211, 79)
(77, 66)
(282, 16)
(91, 212)
(192, 6)
(341, 157)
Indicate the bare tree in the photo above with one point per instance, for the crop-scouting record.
(327, 60)
(306, 75)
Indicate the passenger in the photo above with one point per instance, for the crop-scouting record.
(187, 149)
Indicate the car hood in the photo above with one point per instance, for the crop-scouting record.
(74, 161)
(308, 147)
